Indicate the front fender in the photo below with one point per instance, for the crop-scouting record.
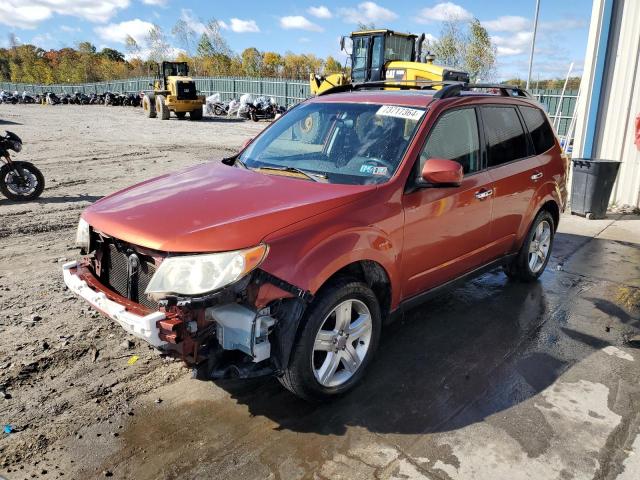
(308, 254)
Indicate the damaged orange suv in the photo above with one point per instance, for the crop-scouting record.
(287, 258)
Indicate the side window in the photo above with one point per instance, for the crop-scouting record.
(455, 137)
(539, 128)
(376, 54)
(506, 140)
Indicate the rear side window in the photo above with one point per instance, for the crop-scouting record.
(539, 128)
(505, 137)
(455, 137)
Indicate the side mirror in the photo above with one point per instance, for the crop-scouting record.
(441, 172)
(342, 44)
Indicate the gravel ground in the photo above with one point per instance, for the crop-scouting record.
(62, 366)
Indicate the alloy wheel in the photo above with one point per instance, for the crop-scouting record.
(539, 246)
(342, 343)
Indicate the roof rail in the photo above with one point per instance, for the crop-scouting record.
(505, 90)
(449, 88)
(399, 84)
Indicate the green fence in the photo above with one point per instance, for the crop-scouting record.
(286, 92)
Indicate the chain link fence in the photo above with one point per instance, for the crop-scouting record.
(286, 92)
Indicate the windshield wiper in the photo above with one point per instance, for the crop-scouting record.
(240, 163)
(310, 176)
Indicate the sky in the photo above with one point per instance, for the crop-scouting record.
(310, 26)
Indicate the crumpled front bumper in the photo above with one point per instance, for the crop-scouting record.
(142, 324)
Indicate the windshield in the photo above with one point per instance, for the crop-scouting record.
(343, 143)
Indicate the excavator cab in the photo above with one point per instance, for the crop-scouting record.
(373, 49)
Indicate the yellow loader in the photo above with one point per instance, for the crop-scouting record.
(379, 55)
(173, 91)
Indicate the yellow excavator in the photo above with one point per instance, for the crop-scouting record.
(378, 55)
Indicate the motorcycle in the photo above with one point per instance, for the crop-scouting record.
(18, 180)
(26, 98)
(263, 108)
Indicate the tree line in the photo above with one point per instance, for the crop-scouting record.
(465, 45)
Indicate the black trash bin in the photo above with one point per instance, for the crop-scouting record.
(591, 186)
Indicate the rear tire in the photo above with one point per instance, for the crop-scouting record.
(319, 366)
(181, 115)
(161, 107)
(535, 252)
(196, 114)
(22, 166)
(149, 106)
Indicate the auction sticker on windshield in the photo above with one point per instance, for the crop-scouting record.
(400, 112)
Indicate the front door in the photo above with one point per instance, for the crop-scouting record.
(447, 229)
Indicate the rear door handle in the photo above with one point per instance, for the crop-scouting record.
(482, 194)
(536, 176)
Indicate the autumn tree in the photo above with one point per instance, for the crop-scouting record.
(465, 46)
(331, 65)
(251, 62)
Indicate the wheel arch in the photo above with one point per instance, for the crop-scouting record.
(372, 274)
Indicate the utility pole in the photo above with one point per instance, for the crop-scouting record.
(533, 42)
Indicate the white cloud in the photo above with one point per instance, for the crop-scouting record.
(29, 13)
(244, 26)
(320, 12)
(442, 12)
(22, 16)
(159, 3)
(68, 29)
(299, 22)
(117, 32)
(195, 24)
(508, 23)
(516, 44)
(367, 12)
(563, 24)
(430, 38)
(223, 25)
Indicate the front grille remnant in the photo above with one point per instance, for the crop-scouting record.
(127, 276)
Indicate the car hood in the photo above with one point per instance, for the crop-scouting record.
(213, 207)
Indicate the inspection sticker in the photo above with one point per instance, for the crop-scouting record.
(370, 169)
(400, 112)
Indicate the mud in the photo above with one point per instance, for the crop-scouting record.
(494, 380)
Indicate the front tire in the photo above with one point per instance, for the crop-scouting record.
(161, 107)
(338, 338)
(535, 252)
(16, 191)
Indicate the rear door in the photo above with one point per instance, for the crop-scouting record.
(447, 228)
(514, 170)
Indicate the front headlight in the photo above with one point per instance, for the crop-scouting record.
(17, 146)
(82, 235)
(198, 274)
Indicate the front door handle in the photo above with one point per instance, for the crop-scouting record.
(536, 176)
(482, 194)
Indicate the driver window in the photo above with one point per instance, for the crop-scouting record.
(455, 137)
